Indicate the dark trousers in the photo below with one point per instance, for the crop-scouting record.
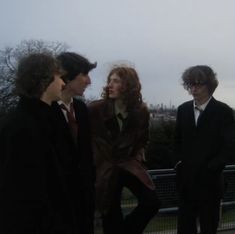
(114, 222)
(206, 212)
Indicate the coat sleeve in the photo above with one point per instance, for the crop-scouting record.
(227, 141)
(22, 185)
(177, 137)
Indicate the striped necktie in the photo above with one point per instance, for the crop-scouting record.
(200, 112)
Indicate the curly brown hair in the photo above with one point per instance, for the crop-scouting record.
(132, 96)
(34, 74)
(200, 74)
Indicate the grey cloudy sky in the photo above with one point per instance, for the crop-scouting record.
(160, 38)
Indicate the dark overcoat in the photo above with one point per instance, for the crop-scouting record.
(117, 149)
(33, 192)
(204, 149)
(77, 160)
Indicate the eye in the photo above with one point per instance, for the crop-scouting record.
(64, 78)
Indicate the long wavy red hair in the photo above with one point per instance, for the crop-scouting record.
(131, 86)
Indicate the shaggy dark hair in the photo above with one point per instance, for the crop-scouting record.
(74, 64)
(200, 74)
(34, 74)
(132, 96)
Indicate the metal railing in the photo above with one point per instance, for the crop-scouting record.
(165, 221)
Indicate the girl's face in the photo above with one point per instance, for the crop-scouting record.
(114, 86)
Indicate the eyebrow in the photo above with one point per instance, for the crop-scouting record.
(196, 82)
(114, 78)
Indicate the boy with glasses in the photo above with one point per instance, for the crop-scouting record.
(204, 129)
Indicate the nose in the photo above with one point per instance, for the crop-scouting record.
(110, 84)
(62, 82)
(88, 80)
(62, 85)
(193, 88)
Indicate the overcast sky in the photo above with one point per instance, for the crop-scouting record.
(160, 38)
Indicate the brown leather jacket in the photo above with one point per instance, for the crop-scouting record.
(114, 148)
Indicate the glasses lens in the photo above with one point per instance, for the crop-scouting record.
(197, 83)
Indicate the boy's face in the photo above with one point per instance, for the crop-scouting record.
(79, 84)
(200, 93)
(53, 91)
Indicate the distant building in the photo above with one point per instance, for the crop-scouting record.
(162, 113)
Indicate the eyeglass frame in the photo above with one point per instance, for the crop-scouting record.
(197, 84)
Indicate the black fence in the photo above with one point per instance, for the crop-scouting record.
(165, 220)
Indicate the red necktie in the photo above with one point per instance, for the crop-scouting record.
(72, 122)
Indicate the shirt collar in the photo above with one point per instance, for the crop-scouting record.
(66, 105)
(203, 106)
(119, 110)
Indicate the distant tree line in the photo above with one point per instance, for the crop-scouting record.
(160, 150)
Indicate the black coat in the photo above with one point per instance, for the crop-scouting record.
(78, 162)
(33, 192)
(203, 149)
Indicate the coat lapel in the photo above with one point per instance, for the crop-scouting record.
(207, 113)
(191, 117)
(62, 121)
(110, 121)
